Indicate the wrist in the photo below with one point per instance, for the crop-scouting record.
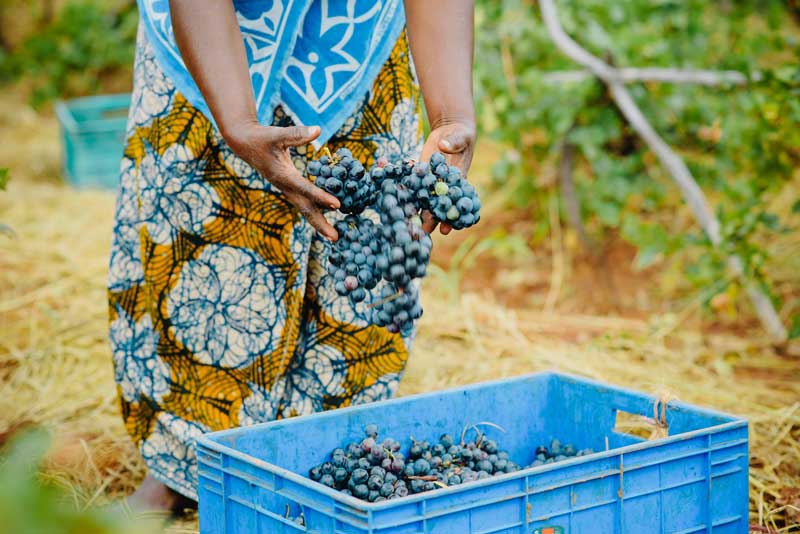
(466, 118)
(239, 134)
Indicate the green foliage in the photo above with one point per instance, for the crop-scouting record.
(85, 43)
(741, 143)
(29, 506)
(794, 333)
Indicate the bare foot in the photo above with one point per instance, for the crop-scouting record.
(153, 496)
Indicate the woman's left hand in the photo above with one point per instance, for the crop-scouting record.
(456, 140)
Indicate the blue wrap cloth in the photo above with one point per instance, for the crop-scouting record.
(316, 58)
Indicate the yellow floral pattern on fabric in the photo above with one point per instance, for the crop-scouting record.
(221, 312)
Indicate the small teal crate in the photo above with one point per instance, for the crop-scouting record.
(92, 139)
(695, 480)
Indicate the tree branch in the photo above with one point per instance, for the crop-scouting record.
(569, 196)
(654, 74)
(673, 163)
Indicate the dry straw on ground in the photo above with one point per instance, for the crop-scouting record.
(55, 365)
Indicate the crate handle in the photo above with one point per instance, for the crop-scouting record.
(642, 426)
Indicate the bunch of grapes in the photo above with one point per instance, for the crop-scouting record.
(452, 199)
(408, 247)
(557, 453)
(368, 470)
(352, 260)
(345, 178)
(398, 250)
(406, 251)
(448, 463)
(397, 308)
(375, 471)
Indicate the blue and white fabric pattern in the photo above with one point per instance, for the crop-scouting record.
(317, 58)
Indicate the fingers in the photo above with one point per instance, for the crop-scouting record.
(317, 195)
(456, 141)
(296, 135)
(428, 222)
(315, 217)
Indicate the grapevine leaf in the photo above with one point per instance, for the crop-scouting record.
(7, 230)
(794, 333)
(3, 179)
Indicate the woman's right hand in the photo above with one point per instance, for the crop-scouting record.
(266, 149)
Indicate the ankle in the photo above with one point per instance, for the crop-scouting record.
(152, 495)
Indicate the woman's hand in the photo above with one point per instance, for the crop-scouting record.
(443, 61)
(266, 149)
(456, 140)
(211, 45)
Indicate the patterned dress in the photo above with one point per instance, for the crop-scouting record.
(221, 310)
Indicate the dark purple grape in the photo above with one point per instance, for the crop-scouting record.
(417, 485)
(315, 473)
(485, 465)
(361, 491)
(340, 475)
(368, 444)
(375, 482)
(360, 476)
(378, 471)
(400, 492)
(397, 465)
(387, 489)
(421, 466)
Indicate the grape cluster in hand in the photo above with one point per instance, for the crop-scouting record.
(406, 252)
(397, 250)
(397, 310)
(352, 260)
(452, 199)
(345, 178)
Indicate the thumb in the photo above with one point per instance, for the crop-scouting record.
(298, 135)
(454, 141)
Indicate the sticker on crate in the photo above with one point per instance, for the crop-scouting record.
(549, 530)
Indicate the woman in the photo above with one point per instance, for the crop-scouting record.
(221, 310)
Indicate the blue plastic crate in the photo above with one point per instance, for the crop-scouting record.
(694, 480)
(92, 139)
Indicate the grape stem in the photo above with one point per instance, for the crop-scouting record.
(384, 301)
(480, 435)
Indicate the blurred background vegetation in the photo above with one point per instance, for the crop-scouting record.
(740, 141)
(581, 217)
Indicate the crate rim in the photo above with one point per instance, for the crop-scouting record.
(66, 118)
(206, 440)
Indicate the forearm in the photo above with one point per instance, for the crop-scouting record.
(441, 36)
(208, 37)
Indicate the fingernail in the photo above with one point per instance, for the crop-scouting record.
(446, 144)
(313, 130)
